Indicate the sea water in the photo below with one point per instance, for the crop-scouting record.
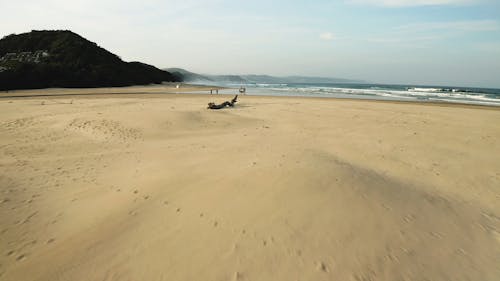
(480, 96)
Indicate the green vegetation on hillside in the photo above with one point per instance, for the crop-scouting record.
(43, 59)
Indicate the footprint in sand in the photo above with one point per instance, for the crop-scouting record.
(51, 240)
(322, 266)
(237, 276)
(409, 218)
(27, 219)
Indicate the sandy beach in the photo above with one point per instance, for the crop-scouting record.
(150, 185)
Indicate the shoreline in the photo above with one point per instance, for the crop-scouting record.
(195, 90)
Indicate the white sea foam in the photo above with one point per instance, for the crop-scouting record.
(455, 95)
(431, 94)
(425, 89)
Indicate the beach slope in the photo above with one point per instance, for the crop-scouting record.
(157, 187)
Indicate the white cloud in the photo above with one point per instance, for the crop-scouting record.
(490, 47)
(326, 36)
(425, 33)
(471, 25)
(395, 40)
(413, 3)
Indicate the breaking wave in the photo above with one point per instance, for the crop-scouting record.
(481, 96)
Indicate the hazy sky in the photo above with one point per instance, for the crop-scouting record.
(453, 42)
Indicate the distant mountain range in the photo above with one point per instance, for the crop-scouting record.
(191, 77)
(44, 59)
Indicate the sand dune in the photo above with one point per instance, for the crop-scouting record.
(160, 188)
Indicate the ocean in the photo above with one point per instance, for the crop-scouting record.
(466, 95)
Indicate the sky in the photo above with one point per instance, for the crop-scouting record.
(425, 42)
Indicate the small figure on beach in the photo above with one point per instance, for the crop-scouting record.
(231, 103)
(242, 90)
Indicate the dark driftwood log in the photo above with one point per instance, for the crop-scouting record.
(231, 103)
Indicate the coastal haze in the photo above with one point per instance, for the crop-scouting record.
(225, 140)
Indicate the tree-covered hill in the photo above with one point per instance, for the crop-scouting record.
(43, 59)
